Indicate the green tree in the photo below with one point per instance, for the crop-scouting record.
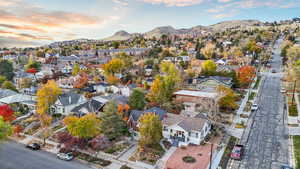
(83, 127)
(6, 69)
(112, 125)
(2, 79)
(9, 85)
(137, 99)
(76, 69)
(150, 128)
(209, 67)
(5, 129)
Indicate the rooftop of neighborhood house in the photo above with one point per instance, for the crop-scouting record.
(195, 93)
(187, 123)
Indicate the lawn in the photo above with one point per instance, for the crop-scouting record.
(296, 141)
(293, 110)
(257, 82)
(251, 96)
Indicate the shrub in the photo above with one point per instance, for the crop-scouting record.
(189, 159)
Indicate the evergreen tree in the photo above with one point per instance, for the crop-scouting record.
(112, 125)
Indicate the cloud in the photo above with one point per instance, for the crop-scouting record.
(23, 27)
(228, 14)
(15, 41)
(224, 1)
(121, 2)
(178, 3)
(24, 36)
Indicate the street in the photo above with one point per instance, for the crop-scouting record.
(267, 142)
(16, 156)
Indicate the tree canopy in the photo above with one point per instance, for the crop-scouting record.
(150, 128)
(86, 126)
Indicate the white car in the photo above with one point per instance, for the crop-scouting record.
(254, 107)
(65, 156)
(282, 90)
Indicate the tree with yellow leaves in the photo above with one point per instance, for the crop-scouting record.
(150, 128)
(83, 127)
(116, 65)
(46, 96)
(209, 51)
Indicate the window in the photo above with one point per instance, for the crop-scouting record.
(196, 135)
(189, 133)
(171, 131)
(165, 128)
(188, 139)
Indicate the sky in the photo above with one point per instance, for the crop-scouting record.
(36, 22)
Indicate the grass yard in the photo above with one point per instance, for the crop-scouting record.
(293, 110)
(296, 141)
(251, 96)
(257, 82)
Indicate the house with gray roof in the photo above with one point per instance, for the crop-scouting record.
(67, 102)
(133, 119)
(90, 106)
(182, 130)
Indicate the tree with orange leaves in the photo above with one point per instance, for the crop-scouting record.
(82, 81)
(245, 75)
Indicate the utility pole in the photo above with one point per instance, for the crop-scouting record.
(294, 92)
(211, 151)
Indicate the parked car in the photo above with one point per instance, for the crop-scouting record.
(282, 90)
(237, 152)
(65, 156)
(286, 167)
(33, 146)
(273, 71)
(254, 107)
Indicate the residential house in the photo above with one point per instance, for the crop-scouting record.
(182, 131)
(133, 119)
(66, 102)
(90, 106)
(196, 101)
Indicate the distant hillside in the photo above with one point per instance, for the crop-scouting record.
(169, 30)
(157, 32)
(121, 35)
(233, 24)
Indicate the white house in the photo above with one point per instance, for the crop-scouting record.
(181, 130)
(66, 102)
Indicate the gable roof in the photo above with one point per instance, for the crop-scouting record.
(186, 123)
(6, 93)
(135, 114)
(69, 98)
(88, 107)
(194, 93)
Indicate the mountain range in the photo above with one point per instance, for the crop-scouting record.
(169, 30)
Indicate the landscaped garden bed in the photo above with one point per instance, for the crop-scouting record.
(189, 159)
(92, 159)
(226, 155)
(148, 155)
(248, 106)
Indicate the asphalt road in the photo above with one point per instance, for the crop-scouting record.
(16, 156)
(267, 142)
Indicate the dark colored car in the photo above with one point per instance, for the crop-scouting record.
(33, 146)
(286, 167)
(237, 152)
(273, 71)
